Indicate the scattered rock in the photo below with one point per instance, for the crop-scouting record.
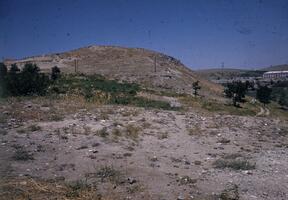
(131, 180)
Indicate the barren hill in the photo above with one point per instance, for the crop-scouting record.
(146, 67)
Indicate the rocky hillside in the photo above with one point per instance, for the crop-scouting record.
(149, 68)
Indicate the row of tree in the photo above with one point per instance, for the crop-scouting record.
(28, 81)
(237, 90)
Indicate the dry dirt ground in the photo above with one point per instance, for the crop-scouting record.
(135, 153)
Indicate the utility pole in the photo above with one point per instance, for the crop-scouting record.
(155, 64)
(76, 66)
(222, 69)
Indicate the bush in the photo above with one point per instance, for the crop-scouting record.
(29, 81)
(196, 87)
(234, 161)
(263, 94)
(55, 73)
(3, 74)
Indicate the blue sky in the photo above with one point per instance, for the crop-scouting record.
(201, 33)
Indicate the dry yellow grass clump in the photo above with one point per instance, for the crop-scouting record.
(28, 188)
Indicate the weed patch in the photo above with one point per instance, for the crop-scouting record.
(34, 128)
(22, 155)
(102, 132)
(234, 161)
(132, 131)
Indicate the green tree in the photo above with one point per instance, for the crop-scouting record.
(26, 82)
(55, 73)
(3, 70)
(32, 81)
(13, 80)
(3, 79)
(236, 91)
(196, 87)
(263, 94)
(14, 69)
(283, 99)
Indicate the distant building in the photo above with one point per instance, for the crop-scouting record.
(276, 74)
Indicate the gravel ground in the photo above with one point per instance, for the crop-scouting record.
(136, 153)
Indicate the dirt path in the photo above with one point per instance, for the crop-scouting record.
(267, 113)
(263, 112)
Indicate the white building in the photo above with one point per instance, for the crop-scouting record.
(276, 74)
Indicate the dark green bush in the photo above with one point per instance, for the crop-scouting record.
(55, 74)
(29, 81)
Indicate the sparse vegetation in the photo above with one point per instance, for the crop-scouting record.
(28, 188)
(162, 135)
(230, 193)
(34, 128)
(76, 187)
(132, 131)
(96, 88)
(234, 161)
(116, 132)
(108, 173)
(195, 131)
(23, 155)
(103, 132)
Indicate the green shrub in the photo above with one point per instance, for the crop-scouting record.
(55, 74)
(29, 81)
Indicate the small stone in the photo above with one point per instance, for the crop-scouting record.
(180, 197)
(131, 180)
(197, 162)
(154, 159)
(6, 113)
(187, 162)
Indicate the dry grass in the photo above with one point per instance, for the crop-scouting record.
(28, 188)
(162, 135)
(146, 125)
(207, 105)
(116, 132)
(130, 112)
(234, 161)
(22, 155)
(195, 131)
(105, 112)
(34, 128)
(102, 132)
(106, 174)
(132, 131)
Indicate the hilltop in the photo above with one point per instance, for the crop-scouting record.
(149, 68)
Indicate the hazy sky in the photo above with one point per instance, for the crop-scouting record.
(201, 33)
